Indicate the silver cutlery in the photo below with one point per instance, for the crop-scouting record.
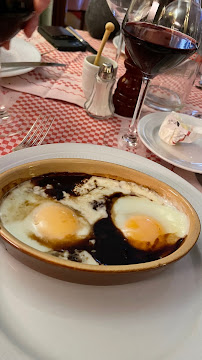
(199, 178)
(29, 64)
(199, 86)
(79, 37)
(37, 132)
(48, 52)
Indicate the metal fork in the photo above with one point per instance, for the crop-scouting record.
(37, 132)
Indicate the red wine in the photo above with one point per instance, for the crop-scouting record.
(155, 49)
(13, 16)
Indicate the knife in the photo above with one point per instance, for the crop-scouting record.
(79, 37)
(29, 64)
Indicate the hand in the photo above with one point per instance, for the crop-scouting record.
(39, 6)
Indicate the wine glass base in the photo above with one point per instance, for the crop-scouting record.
(13, 125)
(194, 113)
(129, 141)
(123, 140)
(4, 115)
(163, 99)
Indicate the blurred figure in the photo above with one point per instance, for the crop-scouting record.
(75, 12)
(31, 25)
(97, 15)
(76, 5)
(40, 6)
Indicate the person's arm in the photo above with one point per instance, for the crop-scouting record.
(39, 6)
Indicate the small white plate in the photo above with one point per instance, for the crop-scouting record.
(20, 50)
(116, 42)
(43, 318)
(185, 156)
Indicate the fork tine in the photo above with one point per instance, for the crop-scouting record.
(33, 131)
(29, 132)
(50, 121)
(37, 132)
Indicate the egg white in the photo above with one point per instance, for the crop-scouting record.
(16, 213)
(171, 219)
(16, 209)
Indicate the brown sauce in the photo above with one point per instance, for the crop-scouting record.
(60, 182)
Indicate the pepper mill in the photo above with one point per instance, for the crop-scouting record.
(127, 90)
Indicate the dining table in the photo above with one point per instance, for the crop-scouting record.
(58, 91)
(44, 318)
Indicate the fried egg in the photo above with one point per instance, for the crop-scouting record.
(42, 223)
(147, 221)
(56, 225)
(147, 225)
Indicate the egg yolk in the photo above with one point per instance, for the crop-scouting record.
(144, 233)
(55, 222)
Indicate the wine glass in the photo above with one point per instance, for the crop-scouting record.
(159, 35)
(118, 9)
(13, 16)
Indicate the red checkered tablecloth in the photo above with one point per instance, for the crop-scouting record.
(71, 123)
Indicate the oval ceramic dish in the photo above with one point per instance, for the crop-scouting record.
(91, 274)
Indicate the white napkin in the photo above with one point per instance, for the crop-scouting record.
(173, 130)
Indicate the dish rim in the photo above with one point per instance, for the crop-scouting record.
(165, 156)
(14, 71)
(48, 258)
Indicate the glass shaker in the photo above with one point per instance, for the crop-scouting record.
(100, 104)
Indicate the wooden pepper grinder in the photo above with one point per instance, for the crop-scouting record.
(127, 90)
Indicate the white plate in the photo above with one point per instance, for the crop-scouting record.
(116, 42)
(185, 156)
(46, 319)
(20, 50)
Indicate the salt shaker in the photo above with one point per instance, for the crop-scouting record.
(100, 104)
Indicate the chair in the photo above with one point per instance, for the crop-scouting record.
(60, 7)
(78, 7)
(58, 18)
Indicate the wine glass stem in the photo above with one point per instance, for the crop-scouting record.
(3, 112)
(119, 47)
(1, 94)
(139, 104)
